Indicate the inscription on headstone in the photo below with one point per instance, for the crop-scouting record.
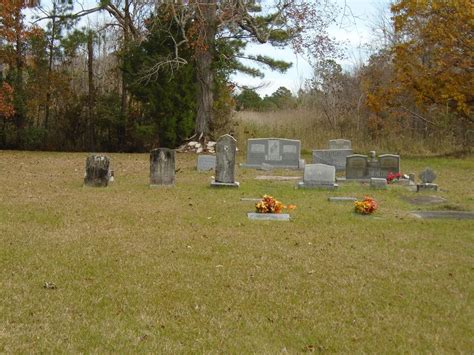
(162, 167)
(273, 153)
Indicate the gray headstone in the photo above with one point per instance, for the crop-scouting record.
(389, 163)
(319, 175)
(276, 152)
(206, 162)
(225, 162)
(340, 144)
(162, 166)
(378, 183)
(97, 171)
(268, 216)
(427, 176)
(356, 166)
(334, 157)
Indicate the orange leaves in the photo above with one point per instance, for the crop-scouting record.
(6, 101)
(430, 60)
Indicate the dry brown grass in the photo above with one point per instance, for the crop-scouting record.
(182, 270)
(314, 131)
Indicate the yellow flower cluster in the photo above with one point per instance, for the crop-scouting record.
(367, 206)
(269, 205)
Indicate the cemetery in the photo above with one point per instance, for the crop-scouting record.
(157, 257)
(236, 177)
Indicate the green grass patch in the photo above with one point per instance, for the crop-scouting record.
(182, 270)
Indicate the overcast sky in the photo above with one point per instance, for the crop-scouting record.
(353, 29)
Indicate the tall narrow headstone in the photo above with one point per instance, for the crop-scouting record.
(97, 171)
(225, 162)
(162, 167)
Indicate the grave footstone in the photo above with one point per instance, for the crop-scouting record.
(162, 167)
(206, 162)
(274, 153)
(319, 176)
(443, 214)
(268, 216)
(97, 171)
(378, 183)
(427, 177)
(225, 162)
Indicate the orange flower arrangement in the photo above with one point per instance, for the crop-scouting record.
(366, 206)
(271, 205)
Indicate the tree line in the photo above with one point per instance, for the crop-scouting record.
(155, 73)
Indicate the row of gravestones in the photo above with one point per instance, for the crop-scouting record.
(162, 166)
(282, 153)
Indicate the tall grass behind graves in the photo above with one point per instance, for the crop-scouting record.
(130, 269)
(312, 128)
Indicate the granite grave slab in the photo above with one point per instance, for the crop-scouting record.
(274, 152)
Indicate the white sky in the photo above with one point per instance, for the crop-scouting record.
(354, 30)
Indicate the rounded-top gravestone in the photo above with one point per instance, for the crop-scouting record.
(427, 176)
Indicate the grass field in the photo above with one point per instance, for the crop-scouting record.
(181, 270)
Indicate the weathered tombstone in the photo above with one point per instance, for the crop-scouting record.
(318, 176)
(427, 177)
(389, 163)
(97, 171)
(340, 144)
(378, 183)
(356, 166)
(225, 162)
(206, 162)
(274, 152)
(162, 167)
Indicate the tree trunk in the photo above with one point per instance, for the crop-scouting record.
(50, 68)
(122, 130)
(205, 74)
(91, 98)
